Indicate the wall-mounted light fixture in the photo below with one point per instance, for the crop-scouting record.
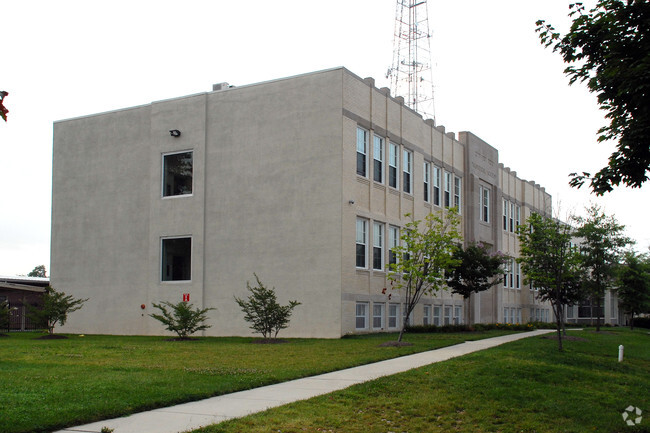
(174, 132)
(350, 201)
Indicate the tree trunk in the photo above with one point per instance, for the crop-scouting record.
(598, 314)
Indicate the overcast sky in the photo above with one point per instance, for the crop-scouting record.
(71, 58)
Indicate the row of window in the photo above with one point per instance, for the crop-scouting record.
(441, 187)
(378, 244)
(432, 314)
(512, 274)
(511, 216)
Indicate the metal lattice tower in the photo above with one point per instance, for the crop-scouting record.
(411, 75)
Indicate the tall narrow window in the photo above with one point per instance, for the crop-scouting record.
(512, 217)
(378, 246)
(447, 191)
(177, 174)
(518, 216)
(506, 206)
(506, 265)
(176, 254)
(426, 317)
(436, 315)
(361, 315)
(408, 167)
(517, 275)
(484, 197)
(362, 151)
(506, 314)
(448, 312)
(427, 182)
(511, 272)
(458, 315)
(362, 236)
(393, 314)
(378, 315)
(393, 164)
(378, 157)
(393, 242)
(458, 187)
(436, 185)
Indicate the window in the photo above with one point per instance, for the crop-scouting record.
(378, 316)
(393, 242)
(484, 204)
(518, 215)
(436, 315)
(393, 163)
(410, 319)
(176, 259)
(532, 315)
(393, 314)
(458, 313)
(457, 192)
(517, 275)
(436, 185)
(362, 151)
(361, 315)
(426, 316)
(506, 206)
(448, 314)
(408, 164)
(506, 265)
(513, 311)
(177, 174)
(519, 315)
(362, 236)
(378, 156)
(511, 272)
(512, 217)
(570, 312)
(505, 314)
(378, 246)
(427, 182)
(447, 193)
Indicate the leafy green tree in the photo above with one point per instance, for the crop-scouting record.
(38, 271)
(181, 318)
(609, 48)
(4, 316)
(550, 263)
(602, 242)
(426, 254)
(477, 269)
(633, 281)
(263, 312)
(55, 309)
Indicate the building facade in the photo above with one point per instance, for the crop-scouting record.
(304, 181)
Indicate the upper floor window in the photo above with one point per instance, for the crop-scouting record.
(362, 151)
(378, 157)
(177, 174)
(176, 255)
(378, 246)
(393, 164)
(506, 207)
(427, 182)
(484, 204)
(512, 217)
(393, 242)
(458, 187)
(408, 173)
(362, 237)
(517, 216)
(447, 191)
(436, 185)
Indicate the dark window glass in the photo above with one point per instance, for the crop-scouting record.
(177, 259)
(361, 164)
(177, 174)
(361, 256)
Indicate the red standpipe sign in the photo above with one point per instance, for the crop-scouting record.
(186, 297)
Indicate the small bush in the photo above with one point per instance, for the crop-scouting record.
(182, 319)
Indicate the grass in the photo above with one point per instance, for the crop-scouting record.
(51, 384)
(524, 386)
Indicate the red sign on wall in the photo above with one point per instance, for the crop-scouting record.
(186, 297)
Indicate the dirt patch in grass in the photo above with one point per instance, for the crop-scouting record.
(52, 337)
(567, 338)
(269, 341)
(395, 344)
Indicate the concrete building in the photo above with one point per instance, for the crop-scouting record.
(303, 180)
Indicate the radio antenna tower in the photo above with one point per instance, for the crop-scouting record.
(411, 75)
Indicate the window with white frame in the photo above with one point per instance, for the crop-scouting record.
(378, 246)
(458, 315)
(511, 273)
(378, 309)
(436, 314)
(506, 266)
(519, 315)
(532, 315)
(447, 189)
(570, 312)
(484, 204)
(361, 315)
(176, 259)
(393, 315)
(448, 313)
(506, 316)
(436, 185)
(512, 217)
(506, 207)
(458, 188)
(513, 311)
(517, 216)
(378, 157)
(393, 242)
(362, 151)
(426, 315)
(362, 242)
(427, 182)
(393, 165)
(177, 173)
(517, 275)
(408, 171)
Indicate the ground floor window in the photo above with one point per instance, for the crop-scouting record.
(393, 314)
(448, 312)
(458, 315)
(176, 260)
(436, 314)
(362, 315)
(426, 317)
(378, 315)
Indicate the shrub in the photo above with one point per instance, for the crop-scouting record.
(55, 309)
(182, 319)
(4, 316)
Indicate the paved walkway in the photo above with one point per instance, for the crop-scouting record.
(189, 416)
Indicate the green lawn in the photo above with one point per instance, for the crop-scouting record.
(524, 386)
(50, 384)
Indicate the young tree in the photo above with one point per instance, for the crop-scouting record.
(426, 254)
(633, 281)
(601, 246)
(476, 269)
(181, 318)
(4, 316)
(609, 48)
(550, 263)
(55, 309)
(38, 271)
(263, 312)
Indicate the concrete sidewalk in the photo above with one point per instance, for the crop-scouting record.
(189, 416)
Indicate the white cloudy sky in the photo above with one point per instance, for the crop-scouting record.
(70, 58)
